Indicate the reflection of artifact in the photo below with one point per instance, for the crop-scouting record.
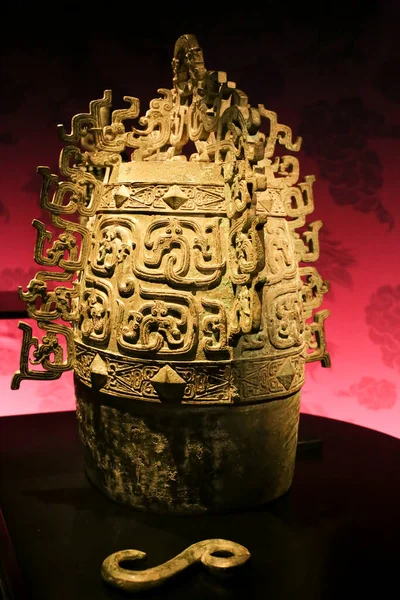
(179, 270)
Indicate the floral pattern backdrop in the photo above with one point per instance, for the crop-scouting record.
(331, 73)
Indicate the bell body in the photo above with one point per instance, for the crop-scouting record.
(184, 291)
(188, 370)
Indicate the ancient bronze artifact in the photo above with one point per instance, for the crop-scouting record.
(180, 268)
(218, 556)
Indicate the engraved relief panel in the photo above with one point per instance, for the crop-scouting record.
(245, 315)
(164, 198)
(95, 317)
(165, 324)
(112, 252)
(272, 377)
(214, 328)
(285, 319)
(132, 378)
(246, 251)
(279, 251)
(179, 251)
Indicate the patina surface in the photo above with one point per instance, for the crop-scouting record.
(218, 556)
(182, 265)
(188, 459)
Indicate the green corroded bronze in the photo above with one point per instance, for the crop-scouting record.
(187, 285)
(218, 556)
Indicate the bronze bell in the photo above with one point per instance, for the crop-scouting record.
(179, 269)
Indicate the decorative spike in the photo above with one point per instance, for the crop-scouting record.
(121, 195)
(286, 374)
(168, 384)
(175, 197)
(98, 372)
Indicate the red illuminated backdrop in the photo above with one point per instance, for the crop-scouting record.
(332, 74)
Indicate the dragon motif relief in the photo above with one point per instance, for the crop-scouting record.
(59, 303)
(165, 325)
(279, 252)
(168, 254)
(174, 257)
(95, 316)
(112, 253)
(285, 324)
(215, 327)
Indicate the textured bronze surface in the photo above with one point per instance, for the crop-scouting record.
(188, 459)
(218, 556)
(182, 271)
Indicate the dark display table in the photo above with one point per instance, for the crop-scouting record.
(336, 534)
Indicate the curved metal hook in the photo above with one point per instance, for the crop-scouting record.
(216, 554)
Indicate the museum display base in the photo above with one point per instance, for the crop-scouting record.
(335, 534)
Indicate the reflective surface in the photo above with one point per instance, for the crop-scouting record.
(335, 534)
